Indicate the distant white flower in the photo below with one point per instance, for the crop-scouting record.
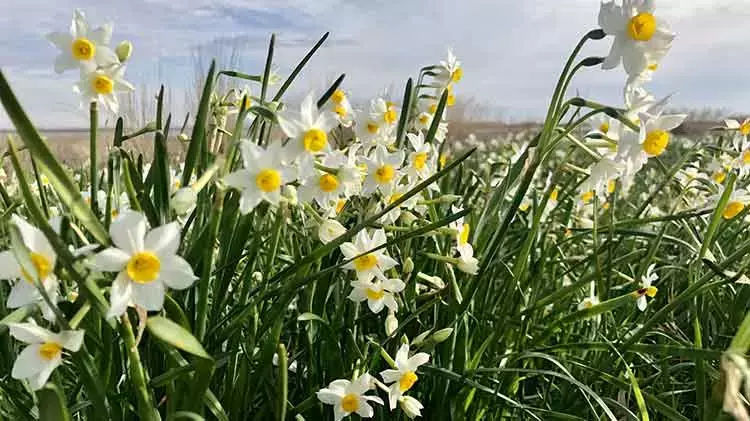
(349, 397)
(377, 293)
(102, 86)
(460, 227)
(404, 376)
(383, 171)
(652, 139)
(262, 177)
(647, 289)
(147, 263)
(341, 108)
(307, 129)
(450, 70)
(371, 265)
(383, 112)
(737, 202)
(44, 353)
(641, 38)
(391, 323)
(741, 132)
(43, 258)
(83, 47)
(588, 302)
(423, 161)
(184, 200)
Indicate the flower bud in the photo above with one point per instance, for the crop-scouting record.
(421, 337)
(257, 277)
(411, 407)
(183, 137)
(408, 265)
(442, 335)
(391, 323)
(123, 51)
(329, 230)
(289, 193)
(183, 201)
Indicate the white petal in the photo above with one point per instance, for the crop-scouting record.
(34, 238)
(402, 356)
(386, 262)
(670, 122)
(176, 273)
(249, 200)
(328, 396)
(61, 40)
(394, 285)
(615, 55)
(120, 295)
(164, 240)
(102, 35)
(149, 296)
(30, 333)
(105, 57)
(9, 267)
(418, 359)
(64, 62)
(376, 306)
(390, 376)
(37, 381)
(128, 231)
(22, 294)
(109, 260)
(289, 126)
(28, 362)
(71, 339)
(364, 409)
(240, 179)
(361, 385)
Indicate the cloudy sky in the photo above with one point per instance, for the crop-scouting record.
(511, 50)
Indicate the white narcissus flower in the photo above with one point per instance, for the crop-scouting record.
(411, 407)
(146, 261)
(347, 170)
(467, 263)
(423, 161)
(307, 129)
(83, 47)
(647, 289)
(641, 38)
(461, 228)
(341, 108)
(410, 204)
(383, 112)
(330, 230)
(741, 132)
(262, 177)
(349, 397)
(43, 258)
(371, 265)
(651, 140)
(383, 171)
(102, 86)
(391, 323)
(44, 353)
(737, 202)
(450, 70)
(404, 376)
(588, 302)
(377, 293)
(603, 178)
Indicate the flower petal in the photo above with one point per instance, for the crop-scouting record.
(164, 240)
(22, 294)
(30, 333)
(149, 296)
(38, 380)
(28, 363)
(9, 267)
(120, 295)
(128, 231)
(108, 260)
(176, 272)
(328, 396)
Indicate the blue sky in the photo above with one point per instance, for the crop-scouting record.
(512, 50)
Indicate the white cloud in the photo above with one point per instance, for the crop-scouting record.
(512, 50)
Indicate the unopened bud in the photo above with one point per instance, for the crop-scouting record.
(411, 407)
(124, 50)
(421, 337)
(442, 335)
(592, 61)
(408, 265)
(329, 230)
(183, 137)
(391, 323)
(183, 201)
(257, 277)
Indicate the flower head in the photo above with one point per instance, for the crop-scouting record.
(349, 397)
(44, 353)
(378, 293)
(102, 86)
(371, 265)
(404, 376)
(146, 261)
(83, 47)
(308, 129)
(383, 171)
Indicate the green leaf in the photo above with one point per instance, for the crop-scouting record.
(306, 317)
(175, 335)
(52, 405)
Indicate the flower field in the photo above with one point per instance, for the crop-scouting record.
(315, 259)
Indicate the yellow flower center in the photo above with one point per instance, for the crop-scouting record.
(745, 128)
(384, 174)
(605, 206)
(268, 180)
(407, 381)
(586, 197)
(340, 110)
(338, 96)
(432, 108)
(340, 205)
(611, 185)
(457, 74)
(653, 67)
(390, 116)
(350, 403)
(372, 128)
(587, 304)
(424, 119)
(451, 101)
(746, 157)
(443, 160)
(651, 291)
(315, 140)
(554, 194)
(656, 142)
(719, 176)
(420, 159)
(102, 85)
(328, 183)
(642, 27)
(83, 49)
(247, 102)
(42, 265)
(143, 267)
(366, 262)
(395, 197)
(374, 295)
(463, 236)
(733, 209)
(50, 350)
(604, 128)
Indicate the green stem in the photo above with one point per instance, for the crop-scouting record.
(146, 409)
(93, 124)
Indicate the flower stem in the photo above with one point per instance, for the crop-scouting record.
(146, 409)
(93, 123)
